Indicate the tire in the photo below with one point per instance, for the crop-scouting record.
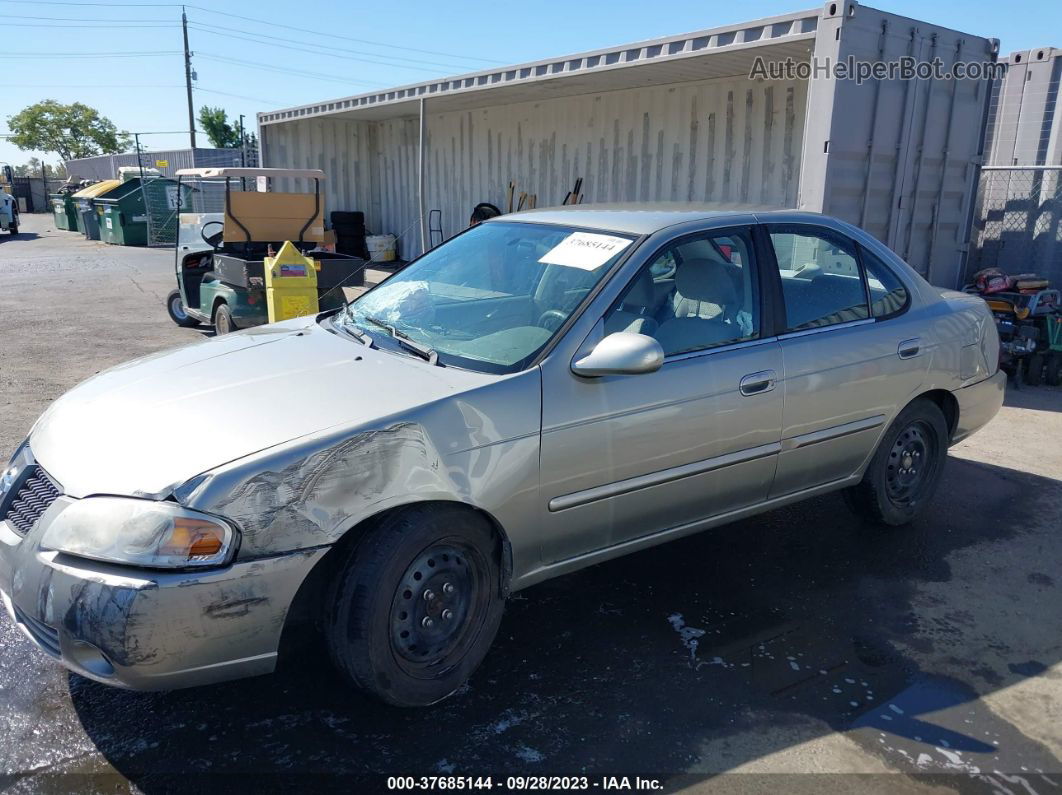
(13, 229)
(1053, 370)
(223, 322)
(1034, 368)
(176, 309)
(906, 468)
(347, 217)
(389, 612)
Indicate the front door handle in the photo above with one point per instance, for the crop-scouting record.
(757, 383)
(908, 349)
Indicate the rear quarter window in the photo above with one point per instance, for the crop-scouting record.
(888, 296)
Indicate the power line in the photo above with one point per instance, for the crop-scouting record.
(82, 19)
(90, 85)
(347, 38)
(270, 102)
(101, 5)
(261, 21)
(139, 85)
(282, 70)
(61, 55)
(85, 27)
(293, 45)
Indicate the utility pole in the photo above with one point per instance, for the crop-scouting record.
(188, 77)
(243, 144)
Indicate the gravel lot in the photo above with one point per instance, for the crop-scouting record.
(799, 642)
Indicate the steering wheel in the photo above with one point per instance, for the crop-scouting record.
(214, 240)
(551, 319)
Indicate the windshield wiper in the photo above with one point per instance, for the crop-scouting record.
(356, 333)
(423, 351)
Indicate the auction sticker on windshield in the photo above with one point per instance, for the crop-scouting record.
(585, 250)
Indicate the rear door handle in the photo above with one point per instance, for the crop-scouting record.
(757, 383)
(908, 349)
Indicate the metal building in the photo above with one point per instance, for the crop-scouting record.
(106, 166)
(1019, 208)
(677, 118)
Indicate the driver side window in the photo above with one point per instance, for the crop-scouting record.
(696, 294)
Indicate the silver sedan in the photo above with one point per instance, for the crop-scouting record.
(541, 393)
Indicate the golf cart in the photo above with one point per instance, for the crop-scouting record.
(221, 250)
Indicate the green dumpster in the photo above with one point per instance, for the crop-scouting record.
(64, 211)
(122, 216)
(84, 205)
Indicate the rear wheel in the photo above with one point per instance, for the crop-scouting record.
(904, 472)
(416, 605)
(1053, 369)
(175, 306)
(223, 323)
(13, 228)
(1034, 368)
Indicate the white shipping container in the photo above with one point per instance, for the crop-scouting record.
(673, 119)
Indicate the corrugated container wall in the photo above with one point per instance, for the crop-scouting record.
(106, 166)
(1025, 119)
(878, 154)
(898, 158)
(1017, 225)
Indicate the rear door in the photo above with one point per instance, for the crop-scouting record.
(850, 351)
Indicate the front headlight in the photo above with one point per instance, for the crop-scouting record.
(140, 533)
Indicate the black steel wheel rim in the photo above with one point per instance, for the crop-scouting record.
(438, 607)
(910, 463)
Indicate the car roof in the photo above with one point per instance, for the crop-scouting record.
(646, 218)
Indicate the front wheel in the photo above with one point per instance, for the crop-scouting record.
(175, 306)
(905, 471)
(13, 228)
(416, 604)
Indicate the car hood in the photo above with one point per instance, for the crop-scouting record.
(148, 425)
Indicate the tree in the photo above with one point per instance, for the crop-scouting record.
(70, 131)
(35, 168)
(215, 122)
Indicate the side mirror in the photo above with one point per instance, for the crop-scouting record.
(622, 353)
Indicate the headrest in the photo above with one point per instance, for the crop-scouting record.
(705, 280)
(642, 292)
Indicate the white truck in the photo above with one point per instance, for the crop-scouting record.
(8, 213)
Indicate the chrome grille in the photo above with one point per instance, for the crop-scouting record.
(34, 496)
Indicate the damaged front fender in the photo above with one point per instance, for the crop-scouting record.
(480, 449)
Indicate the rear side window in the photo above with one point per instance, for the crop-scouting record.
(888, 296)
(822, 284)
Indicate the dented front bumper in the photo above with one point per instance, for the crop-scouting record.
(148, 630)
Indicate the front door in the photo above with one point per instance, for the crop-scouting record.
(625, 457)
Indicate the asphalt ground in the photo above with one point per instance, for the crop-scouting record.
(800, 650)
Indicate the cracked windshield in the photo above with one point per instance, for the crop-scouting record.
(491, 298)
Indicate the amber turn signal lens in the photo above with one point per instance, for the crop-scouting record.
(193, 538)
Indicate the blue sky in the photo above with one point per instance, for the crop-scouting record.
(145, 92)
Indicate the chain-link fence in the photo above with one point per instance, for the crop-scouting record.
(204, 197)
(1018, 222)
(160, 207)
